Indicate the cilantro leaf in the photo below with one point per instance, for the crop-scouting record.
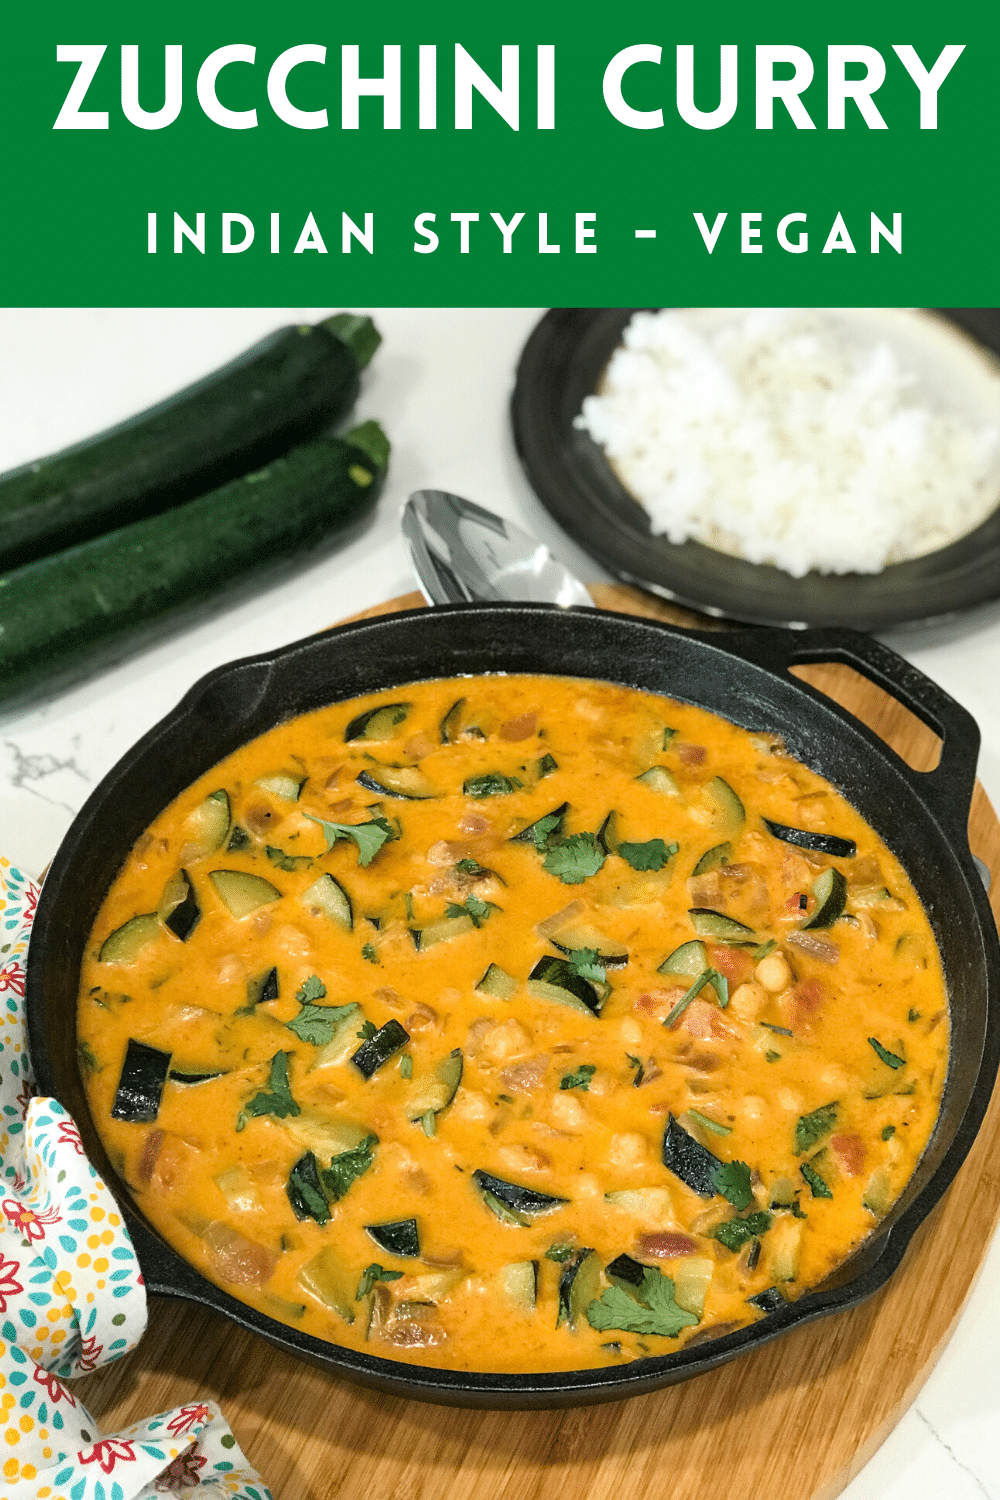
(491, 784)
(652, 855)
(655, 1311)
(369, 836)
(889, 1058)
(475, 908)
(813, 1127)
(574, 859)
(559, 1253)
(817, 1186)
(276, 1099)
(318, 1024)
(541, 830)
(732, 1180)
(735, 1233)
(580, 1079)
(367, 1031)
(289, 862)
(584, 961)
(305, 1193)
(370, 1275)
(369, 952)
(312, 989)
(347, 1167)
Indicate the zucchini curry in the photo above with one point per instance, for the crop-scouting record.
(513, 1023)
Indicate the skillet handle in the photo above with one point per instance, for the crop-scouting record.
(949, 787)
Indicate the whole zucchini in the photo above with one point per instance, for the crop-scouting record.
(279, 393)
(74, 611)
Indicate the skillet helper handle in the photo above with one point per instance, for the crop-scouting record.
(949, 787)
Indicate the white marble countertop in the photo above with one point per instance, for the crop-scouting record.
(440, 384)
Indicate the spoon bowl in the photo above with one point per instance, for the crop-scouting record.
(463, 554)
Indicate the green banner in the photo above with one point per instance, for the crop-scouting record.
(545, 153)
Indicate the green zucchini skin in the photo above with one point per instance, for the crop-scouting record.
(278, 394)
(73, 612)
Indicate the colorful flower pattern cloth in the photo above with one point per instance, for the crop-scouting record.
(72, 1298)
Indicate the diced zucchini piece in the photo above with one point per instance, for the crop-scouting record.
(497, 983)
(713, 924)
(400, 1237)
(729, 812)
(329, 897)
(579, 1284)
(576, 935)
(712, 858)
(178, 910)
(544, 766)
(378, 1049)
(543, 831)
(324, 1278)
(450, 726)
(692, 1277)
(770, 1300)
(830, 890)
(520, 1200)
(325, 1136)
(441, 931)
(693, 1120)
(238, 1191)
(555, 979)
(784, 1245)
(285, 784)
(238, 839)
(865, 896)
(342, 1040)
(262, 989)
(124, 945)
(281, 1308)
(689, 960)
(878, 1194)
(783, 1193)
(432, 1095)
(659, 779)
(689, 1160)
(140, 1086)
(207, 828)
(819, 843)
(242, 892)
(191, 1077)
(378, 723)
(653, 1205)
(406, 782)
(625, 1272)
(520, 1281)
(607, 835)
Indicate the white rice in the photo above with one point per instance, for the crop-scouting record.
(801, 437)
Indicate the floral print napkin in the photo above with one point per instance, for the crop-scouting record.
(72, 1298)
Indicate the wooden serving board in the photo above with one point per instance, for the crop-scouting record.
(795, 1420)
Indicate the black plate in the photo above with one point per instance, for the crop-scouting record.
(563, 361)
(742, 675)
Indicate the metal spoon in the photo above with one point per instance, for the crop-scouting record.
(463, 553)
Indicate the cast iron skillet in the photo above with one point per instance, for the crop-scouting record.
(563, 362)
(742, 675)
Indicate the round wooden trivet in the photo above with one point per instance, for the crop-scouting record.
(795, 1420)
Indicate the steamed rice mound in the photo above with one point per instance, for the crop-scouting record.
(772, 435)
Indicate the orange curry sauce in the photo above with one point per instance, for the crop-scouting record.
(411, 1083)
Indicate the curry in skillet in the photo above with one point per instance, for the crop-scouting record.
(513, 1023)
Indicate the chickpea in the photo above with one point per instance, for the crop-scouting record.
(773, 973)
